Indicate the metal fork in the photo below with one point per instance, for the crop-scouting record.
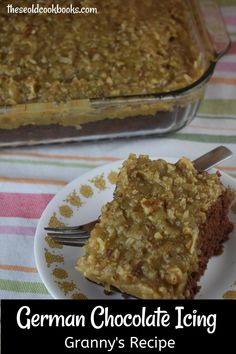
(71, 235)
(77, 235)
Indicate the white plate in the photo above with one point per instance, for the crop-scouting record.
(56, 265)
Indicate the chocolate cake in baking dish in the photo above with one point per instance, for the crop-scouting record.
(134, 48)
(57, 72)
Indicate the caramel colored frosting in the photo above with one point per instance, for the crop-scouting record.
(133, 47)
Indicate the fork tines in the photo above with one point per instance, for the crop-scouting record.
(70, 236)
(70, 242)
(65, 228)
(81, 234)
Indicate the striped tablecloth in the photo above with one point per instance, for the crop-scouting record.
(30, 177)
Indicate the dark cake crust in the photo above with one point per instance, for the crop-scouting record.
(212, 234)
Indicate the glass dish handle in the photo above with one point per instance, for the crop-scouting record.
(216, 27)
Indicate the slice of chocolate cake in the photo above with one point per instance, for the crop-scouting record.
(155, 238)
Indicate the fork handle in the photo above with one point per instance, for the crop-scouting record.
(211, 158)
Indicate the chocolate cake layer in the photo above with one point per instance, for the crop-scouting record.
(213, 233)
(162, 121)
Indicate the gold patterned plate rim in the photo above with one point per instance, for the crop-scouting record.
(80, 202)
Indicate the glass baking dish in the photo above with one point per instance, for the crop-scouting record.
(112, 117)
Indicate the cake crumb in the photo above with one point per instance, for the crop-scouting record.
(65, 211)
(107, 292)
(86, 191)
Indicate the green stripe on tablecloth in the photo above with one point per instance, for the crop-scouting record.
(49, 163)
(226, 2)
(218, 107)
(204, 138)
(22, 286)
(211, 117)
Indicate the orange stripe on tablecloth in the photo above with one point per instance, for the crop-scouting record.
(223, 80)
(226, 168)
(34, 181)
(63, 157)
(18, 268)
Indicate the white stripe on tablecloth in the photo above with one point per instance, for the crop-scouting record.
(216, 91)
